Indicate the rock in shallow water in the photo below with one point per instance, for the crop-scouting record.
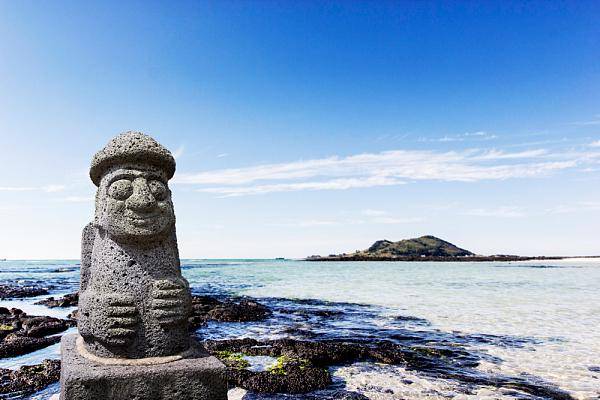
(243, 311)
(289, 379)
(21, 333)
(15, 345)
(206, 308)
(68, 300)
(18, 291)
(29, 378)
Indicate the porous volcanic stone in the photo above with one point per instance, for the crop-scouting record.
(133, 301)
(132, 147)
(134, 304)
(200, 377)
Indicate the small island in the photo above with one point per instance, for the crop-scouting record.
(424, 248)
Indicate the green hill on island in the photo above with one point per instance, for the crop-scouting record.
(422, 246)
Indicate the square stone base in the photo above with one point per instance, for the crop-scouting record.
(195, 378)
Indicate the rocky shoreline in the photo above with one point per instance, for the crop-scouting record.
(303, 366)
(300, 363)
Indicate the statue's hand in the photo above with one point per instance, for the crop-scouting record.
(170, 301)
(121, 318)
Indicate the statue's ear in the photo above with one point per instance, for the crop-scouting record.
(99, 205)
(87, 244)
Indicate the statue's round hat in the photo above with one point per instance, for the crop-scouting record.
(131, 147)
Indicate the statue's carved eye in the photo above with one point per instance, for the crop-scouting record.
(158, 190)
(121, 189)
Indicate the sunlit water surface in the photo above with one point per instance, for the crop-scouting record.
(553, 305)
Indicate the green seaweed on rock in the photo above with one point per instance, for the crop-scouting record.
(233, 360)
(279, 368)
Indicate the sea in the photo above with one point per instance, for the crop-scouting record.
(534, 322)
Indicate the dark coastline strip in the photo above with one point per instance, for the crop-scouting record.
(435, 258)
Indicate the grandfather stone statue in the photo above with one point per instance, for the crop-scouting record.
(134, 305)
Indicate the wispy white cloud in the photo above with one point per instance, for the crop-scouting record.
(366, 219)
(595, 143)
(373, 213)
(305, 223)
(594, 121)
(501, 155)
(478, 135)
(222, 155)
(498, 212)
(520, 211)
(77, 199)
(335, 184)
(588, 170)
(384, 217)
(53, 188)
(581, 206)
(16, 188)
(391, 137)
(395, 220)
(387, 168)
(10, 208)
(47, 188)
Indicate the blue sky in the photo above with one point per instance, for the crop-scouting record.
(310, 127)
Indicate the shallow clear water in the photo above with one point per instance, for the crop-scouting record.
(539, 319)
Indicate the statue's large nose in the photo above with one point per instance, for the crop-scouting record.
(141, 199)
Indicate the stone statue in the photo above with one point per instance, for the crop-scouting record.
(134, 303)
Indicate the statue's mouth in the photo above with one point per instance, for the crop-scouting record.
(142, 220)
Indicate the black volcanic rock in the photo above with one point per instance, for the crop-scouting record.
(29, 378)
(206, 308)
(15, 345)
(18, 291)
(292, 377)
(68, 300)
(21, 333)
(243, 311)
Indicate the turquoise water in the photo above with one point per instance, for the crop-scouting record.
(543, 317)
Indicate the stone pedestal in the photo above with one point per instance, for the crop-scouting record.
(198, 376)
